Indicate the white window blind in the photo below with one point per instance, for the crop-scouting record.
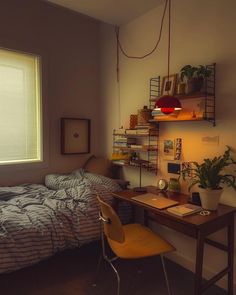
(20, 108)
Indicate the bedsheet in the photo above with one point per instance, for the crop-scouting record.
(37, 221)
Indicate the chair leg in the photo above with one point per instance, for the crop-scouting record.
(165, 274)
(97, 269)
(117, 276)
(105, 257)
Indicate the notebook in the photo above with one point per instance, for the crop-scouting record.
(185, 209)
(155, 201)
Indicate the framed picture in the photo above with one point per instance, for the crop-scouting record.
(168, 85)
(75, 136)
(168, 149)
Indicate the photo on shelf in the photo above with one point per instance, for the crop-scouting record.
(168, 85)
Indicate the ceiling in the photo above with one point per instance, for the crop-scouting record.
(115, 12)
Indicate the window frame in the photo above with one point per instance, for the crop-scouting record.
(42, 161)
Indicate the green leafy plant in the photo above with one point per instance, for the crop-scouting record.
(210, 174)
(190, 72)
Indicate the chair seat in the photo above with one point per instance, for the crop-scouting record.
(139, 242)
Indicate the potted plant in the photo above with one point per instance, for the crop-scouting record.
(194, 77)
(210, 176)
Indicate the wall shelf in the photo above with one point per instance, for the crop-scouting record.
(147, 148)
(208, 97)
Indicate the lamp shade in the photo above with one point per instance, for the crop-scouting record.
(167, 104)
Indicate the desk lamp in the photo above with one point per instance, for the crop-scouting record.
(141, 163)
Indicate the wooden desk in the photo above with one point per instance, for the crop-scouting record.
(196, 226)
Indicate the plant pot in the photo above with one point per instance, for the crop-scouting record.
(194, 85)
(210, 198)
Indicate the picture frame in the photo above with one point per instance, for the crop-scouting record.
(75, 136)
(168, 149)
(168, 85)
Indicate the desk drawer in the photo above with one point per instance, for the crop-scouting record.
(186, 229)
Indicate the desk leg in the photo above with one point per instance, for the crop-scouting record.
(230, 255)
(199, 264)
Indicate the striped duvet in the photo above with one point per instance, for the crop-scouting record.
(37, 221)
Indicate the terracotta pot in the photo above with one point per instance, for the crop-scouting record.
(194, 85)
(210, 198)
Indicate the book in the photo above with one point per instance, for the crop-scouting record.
(185, 209)
(131, 131)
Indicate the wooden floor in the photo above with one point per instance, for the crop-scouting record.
(72, 273)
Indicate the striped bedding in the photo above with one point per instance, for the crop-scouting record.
(37, 221)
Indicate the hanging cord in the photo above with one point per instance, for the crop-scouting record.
(156, 45)
(169, 45)
(119, 48)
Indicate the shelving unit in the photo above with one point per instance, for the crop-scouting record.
(145, 148)
(208, 96)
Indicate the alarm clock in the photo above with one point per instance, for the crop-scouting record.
(162, 184)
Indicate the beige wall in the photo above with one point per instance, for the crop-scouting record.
(202, 33)
(68, 43)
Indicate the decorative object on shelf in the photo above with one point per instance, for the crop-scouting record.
(75, 136)
(144, 115)
(210, 175)
(133, 121)
(168, 85)
(194, 77)
(181, 88)
(140, 163)
(168, 103)
(174, 185)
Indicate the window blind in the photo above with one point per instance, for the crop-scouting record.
(20, 108)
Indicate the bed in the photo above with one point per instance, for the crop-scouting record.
(36, 221)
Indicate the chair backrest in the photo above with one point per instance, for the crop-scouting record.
(111, 223)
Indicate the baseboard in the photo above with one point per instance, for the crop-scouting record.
(190, 265)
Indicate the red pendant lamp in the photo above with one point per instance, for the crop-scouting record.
(167, 104)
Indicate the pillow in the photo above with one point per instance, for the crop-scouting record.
(99, 165)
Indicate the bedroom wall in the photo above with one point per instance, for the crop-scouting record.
(68, 43)
(202, 33)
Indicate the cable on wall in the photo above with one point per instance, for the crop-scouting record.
(119, 48)
(117, 32)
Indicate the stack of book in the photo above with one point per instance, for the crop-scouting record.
(157, 113)
(119, 131)
(120, 142)
(185, 209)
(144, 129)
(131, 131)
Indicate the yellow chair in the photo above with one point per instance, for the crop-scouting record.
(130, 241)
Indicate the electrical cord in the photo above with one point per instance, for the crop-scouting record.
(119, 45)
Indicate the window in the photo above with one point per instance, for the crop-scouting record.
(20, 108)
